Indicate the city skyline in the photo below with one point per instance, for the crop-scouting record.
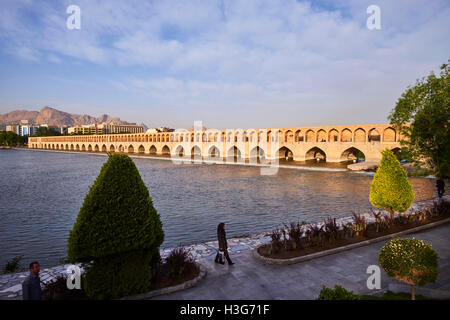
(230, 64)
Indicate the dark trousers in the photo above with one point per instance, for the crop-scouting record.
(225, 253)
(440, 192)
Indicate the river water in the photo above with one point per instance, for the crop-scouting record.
(41, 193)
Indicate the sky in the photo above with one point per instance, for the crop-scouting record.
(227, 63)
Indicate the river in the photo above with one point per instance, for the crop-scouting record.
(41, 193)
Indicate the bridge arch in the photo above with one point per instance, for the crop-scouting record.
(90, 148)
(112, 148)
(351, 154)
(316, 153)
(213, 152)
(96, 148)
(321, 136)
(374, 135)
(104, 149)
(360, 135)
(298, 136)
(179, 151)
(333, 135)
(289, 136)
(346, 135)
(389, 135)
(141, 149)
(310, 136)
(257, 153)
(165, 151)
(152, 150)
(121, 148)
(234, 152)
(130, 149)
(196, 152)
(285, 153)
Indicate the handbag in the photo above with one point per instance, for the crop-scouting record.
(221, 257)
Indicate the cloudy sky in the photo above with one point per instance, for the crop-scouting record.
(229, 63)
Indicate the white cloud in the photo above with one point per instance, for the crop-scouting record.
(212, 55)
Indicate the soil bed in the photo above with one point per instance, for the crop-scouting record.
(370, 233)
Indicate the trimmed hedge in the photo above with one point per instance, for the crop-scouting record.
(338, 293)
(390, 189)
(117, 229)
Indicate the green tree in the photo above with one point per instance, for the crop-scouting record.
(390, 189)
(422, 114)
(117, 231)
(9, 138)
(409, 260)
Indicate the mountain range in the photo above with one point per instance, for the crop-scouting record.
(53, 117)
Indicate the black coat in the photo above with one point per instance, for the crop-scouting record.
(222, 240)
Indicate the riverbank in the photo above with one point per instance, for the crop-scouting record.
(204, 253)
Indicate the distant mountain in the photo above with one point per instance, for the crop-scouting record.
(54, 117)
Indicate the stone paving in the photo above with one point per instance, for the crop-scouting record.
(10, 284)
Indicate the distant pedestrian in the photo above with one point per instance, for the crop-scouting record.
(31, 287)
(223, 247)
(440, 185)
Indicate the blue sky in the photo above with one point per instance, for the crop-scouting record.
(231, 64)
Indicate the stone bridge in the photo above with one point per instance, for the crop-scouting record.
(324, 143)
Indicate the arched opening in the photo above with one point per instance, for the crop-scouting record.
(112, 148)
(285, 154)
(389, 135)
(298, 136)
(374, 136)
(152, 150)
(67, 147)
(333, 136)
(321, 136)
(353, 154)
(257, 153)
(104, 149)
(130, 149)
(165, 151)
(214, 152)
(289, 136)
(346, 135)
(121, 148)
(89, 148)
(77, 147)
(141, 149)
(309, 136)
(57, 147)
(179, 151)
(72, 147)
(196, 152)
(360, 135)
(234, 153)
(96, 148)
(316, 154)
(83, 147)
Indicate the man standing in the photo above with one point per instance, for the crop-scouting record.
(31, 287)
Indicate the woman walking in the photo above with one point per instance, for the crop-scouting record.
(223, 247)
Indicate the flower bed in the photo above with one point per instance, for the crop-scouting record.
(301, 240)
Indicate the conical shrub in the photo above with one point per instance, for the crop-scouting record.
(390, 189)
(118, 229)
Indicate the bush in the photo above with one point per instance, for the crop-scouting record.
(179, 262)
(13, 265)
(409, 260)
(276, 242)
(338, 293)
(390, 189)
(359, 224)
(118, 230)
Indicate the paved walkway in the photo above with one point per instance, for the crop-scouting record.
(252, 279)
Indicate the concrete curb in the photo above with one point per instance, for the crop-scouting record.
(426, 292)
(178, 287)
(345, 248)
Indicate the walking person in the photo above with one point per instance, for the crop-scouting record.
(31, 287)
(440, 185)
(223, 247)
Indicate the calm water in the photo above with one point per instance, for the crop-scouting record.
(41, 193)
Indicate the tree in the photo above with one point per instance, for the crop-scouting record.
(390, 189)
(411, 261)
(117, 231)
(10, 138)
(422, 114)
